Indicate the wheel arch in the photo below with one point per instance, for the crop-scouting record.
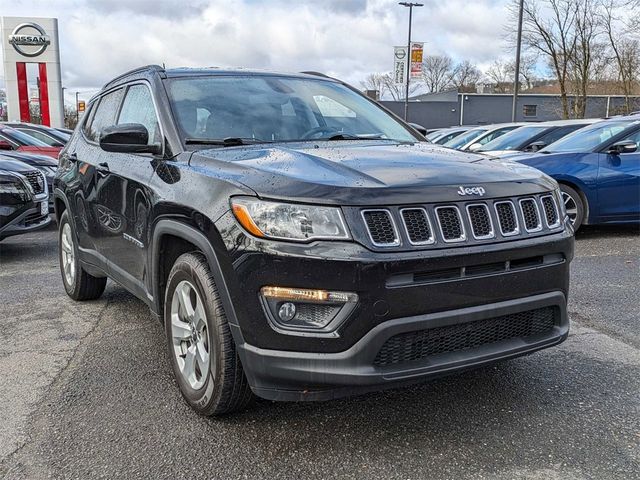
(187, 238)
(580, 188)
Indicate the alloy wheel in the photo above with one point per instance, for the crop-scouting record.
(189, 331)
(68, 255)
(570, 206)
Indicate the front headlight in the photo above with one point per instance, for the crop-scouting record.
(289, 221)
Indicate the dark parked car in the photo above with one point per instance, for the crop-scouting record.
(23, 199)
(598, 169)
(46, 165)
(301, 243)
(531, 138)
(12, 139)
(51, 136)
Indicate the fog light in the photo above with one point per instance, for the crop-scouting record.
(287, 311)
(301, 309)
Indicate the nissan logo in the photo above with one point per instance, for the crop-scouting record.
(24, 36)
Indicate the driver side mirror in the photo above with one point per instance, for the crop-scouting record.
(4, 145)
(535, 146)
(474, 146)
(127, 138)
(420, 128)
(623, 146)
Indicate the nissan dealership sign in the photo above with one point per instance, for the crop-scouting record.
(29, 39)
(29, 43)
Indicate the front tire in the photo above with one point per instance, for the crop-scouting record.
(78, 284)
(573, 204)
(201, 349)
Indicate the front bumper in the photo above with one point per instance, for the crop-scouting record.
(398, 292)
(24, 220)
(296, 376)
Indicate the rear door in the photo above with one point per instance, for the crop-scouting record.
(619, 183)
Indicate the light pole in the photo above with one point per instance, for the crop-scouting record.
(516, 80)
(406, 89)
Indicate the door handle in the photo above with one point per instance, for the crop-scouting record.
(103, 167)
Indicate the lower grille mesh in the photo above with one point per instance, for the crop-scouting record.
(412, 346)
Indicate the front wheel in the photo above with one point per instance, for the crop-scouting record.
(573, 204)
(78, 284)
(201, 349)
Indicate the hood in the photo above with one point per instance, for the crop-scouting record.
(52, 152)
(15, 166)
(34, 159)
(367, 172)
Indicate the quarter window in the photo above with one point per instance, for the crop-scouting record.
(138, 108)
(105, 115)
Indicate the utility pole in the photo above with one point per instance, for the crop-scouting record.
(77, 111)
(516, 80)
(406, 89)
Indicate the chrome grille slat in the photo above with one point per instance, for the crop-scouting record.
(507, 218)
(450, 223)
(381, 227)
(530, 214)
(480, 220)
(550, 211)
(417, 225)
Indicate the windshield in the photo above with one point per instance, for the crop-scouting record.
(22, 139)
(513, 139)
(588, 138)
(265, 108)
(462, 140)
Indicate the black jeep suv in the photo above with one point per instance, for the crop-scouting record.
(299, 242)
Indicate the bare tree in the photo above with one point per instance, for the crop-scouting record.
(375, 81)
(583, 63)
(549, 28)
(528, 64)
(625, 48)
(465, 76)
(501, 75)
(437, 72)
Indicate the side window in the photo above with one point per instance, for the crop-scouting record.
(41, 136)
(105, 115)
(634, 137)
(557, 134)
(138, 108)
(494, 135)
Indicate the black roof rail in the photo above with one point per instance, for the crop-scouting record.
(153, 68)
(317, 74)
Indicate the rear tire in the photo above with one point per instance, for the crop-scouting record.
(78, 284)
(573, 204)
(201, 349)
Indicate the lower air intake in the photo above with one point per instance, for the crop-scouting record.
(413, 346)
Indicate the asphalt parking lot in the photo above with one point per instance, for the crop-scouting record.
(86, 392)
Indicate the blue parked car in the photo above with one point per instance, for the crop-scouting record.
(598, 169)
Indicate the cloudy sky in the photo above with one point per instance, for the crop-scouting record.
(345, 38)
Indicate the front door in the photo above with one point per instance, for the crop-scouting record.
(619, 184)
(124, 197)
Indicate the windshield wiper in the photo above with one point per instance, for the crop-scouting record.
(225, 142)
(351, 136)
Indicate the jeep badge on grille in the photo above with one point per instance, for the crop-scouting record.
(470, 191)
